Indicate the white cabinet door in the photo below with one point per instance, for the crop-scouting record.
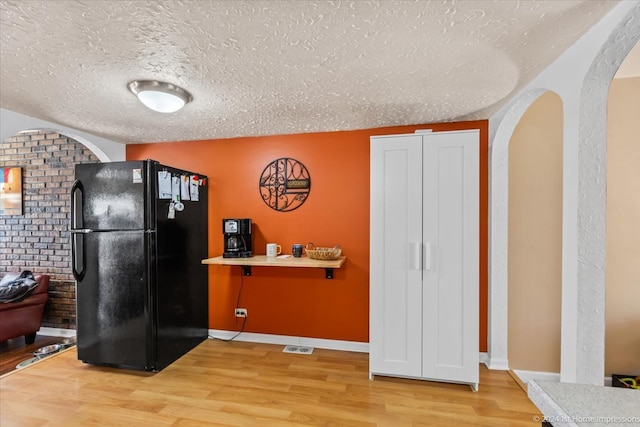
(395, 335)
(424, 235)
(451, 237)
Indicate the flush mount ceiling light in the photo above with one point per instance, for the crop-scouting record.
(160, 96)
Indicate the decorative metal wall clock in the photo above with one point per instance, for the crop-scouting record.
(285, 184)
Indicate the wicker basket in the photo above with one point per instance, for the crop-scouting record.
(323, 254)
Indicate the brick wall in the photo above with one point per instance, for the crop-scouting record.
(39, 239)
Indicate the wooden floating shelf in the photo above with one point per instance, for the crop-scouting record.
(279, 261)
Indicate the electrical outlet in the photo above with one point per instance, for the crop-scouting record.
(241, 312)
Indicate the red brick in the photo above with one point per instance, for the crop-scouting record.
(38, 240)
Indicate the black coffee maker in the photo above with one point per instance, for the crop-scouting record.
(237, 238)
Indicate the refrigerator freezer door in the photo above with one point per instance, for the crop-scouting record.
(113, 196)
(113, 309)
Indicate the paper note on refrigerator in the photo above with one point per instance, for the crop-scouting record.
(193, 187)
(164, 185)
(175, 188)
(184, 187)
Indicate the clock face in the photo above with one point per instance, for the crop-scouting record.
(285, 184)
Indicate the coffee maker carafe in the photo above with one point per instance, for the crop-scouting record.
(237, 238)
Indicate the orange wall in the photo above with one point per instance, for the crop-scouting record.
(293, 301)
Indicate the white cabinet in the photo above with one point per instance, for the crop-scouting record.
(424, 267)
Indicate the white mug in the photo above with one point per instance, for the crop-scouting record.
(273, 249)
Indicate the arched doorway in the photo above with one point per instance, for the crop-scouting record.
(38, 240)
(583, 192)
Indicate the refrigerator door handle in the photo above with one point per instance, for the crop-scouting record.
(78, 263)
(76, 190)
(89, 230)
(77, 256)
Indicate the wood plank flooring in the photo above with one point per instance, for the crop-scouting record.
(246, 384)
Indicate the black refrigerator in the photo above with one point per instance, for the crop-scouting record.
(138, 239)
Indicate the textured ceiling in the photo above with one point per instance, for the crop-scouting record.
(276, 67)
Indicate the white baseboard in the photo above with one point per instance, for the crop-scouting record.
(484, 358)
(57, 332)
(360, 347)
(497, 364)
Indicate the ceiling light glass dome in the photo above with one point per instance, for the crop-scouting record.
(160, 96)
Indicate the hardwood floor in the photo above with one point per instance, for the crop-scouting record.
(15, 350)
(247, 384)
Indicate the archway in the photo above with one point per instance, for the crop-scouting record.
(14, 123)
(499, 224)
(583, 231)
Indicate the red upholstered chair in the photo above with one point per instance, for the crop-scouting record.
(25, 317)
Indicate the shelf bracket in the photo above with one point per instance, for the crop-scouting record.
(246, 271)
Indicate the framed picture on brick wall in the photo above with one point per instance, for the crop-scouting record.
(11, 191)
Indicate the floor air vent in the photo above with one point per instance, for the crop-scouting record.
(297, 349)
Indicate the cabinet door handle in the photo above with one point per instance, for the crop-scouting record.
(415, 256)
(427, 256)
